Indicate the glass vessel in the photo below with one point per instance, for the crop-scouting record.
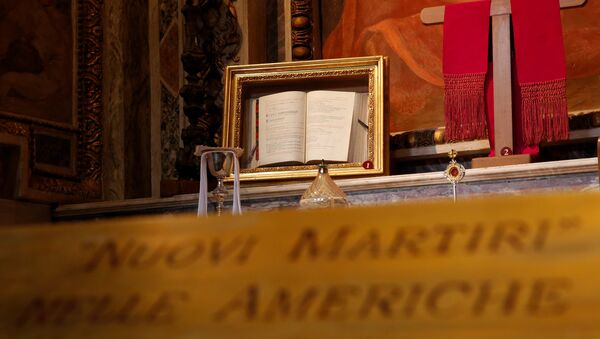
(323, 192)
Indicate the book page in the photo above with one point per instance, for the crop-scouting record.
(250, 157)
(281, 123)
(358, 150)
(328, 124)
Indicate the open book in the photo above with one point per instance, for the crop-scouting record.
(300, 127)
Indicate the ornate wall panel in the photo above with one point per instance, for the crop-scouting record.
(51, 97)
(170, 83)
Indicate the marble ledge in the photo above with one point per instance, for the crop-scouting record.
(435, 178)
(580, 174)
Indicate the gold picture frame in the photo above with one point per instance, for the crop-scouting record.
(366, 73)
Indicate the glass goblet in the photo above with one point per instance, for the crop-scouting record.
(220, 165)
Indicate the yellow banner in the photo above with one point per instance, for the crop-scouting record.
(523, 267)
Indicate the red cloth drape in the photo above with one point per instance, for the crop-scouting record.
(466, 27)
(539, 88)
(540, 70)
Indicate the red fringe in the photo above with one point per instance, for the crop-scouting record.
(464, 106)
(544, 113)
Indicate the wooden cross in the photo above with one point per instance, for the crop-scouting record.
(500, 12)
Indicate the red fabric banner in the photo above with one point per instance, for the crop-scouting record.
(539, 95)
(466, 32)
(540, 70)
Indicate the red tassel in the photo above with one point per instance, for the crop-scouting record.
(544, 111)
(464, 106)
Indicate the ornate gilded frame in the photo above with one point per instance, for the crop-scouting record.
(81, 178)
(238, 79)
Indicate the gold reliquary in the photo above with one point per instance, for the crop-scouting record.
(289, 117)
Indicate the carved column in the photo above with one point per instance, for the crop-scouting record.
(126, 160)
(305, 30)
(211, 40)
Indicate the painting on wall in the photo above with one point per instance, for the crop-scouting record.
(36, 59)
(393, 28)
(51, 97)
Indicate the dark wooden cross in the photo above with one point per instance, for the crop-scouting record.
(500, 12)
